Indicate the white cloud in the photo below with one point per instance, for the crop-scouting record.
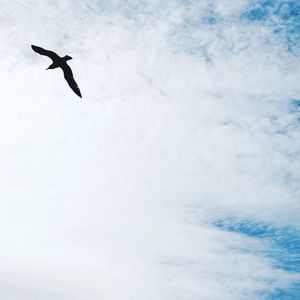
(114, 196)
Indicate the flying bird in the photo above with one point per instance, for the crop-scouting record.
(60, 62)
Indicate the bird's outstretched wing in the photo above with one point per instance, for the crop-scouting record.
(70, 79)
(45, 52)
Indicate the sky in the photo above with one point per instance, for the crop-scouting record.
(176, 177)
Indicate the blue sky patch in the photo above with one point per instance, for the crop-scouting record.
(283, 249)
(283, 16)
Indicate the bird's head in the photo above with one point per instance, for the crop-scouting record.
(67, 57)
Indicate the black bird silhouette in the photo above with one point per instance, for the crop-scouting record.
(60, 62)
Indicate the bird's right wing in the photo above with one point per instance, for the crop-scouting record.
(45, 52)
(68, 74)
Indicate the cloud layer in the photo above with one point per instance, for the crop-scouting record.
(188, 118)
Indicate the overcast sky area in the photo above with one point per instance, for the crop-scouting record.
(176, 177)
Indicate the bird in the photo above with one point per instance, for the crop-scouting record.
(60, 62)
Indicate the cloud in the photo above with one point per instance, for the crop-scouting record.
(186, 120)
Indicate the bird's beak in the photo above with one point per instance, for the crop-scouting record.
(48, 68)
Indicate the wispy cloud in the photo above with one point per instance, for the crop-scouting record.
(189, 119)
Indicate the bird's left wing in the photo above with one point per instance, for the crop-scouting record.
(70, 79)
(45, 52)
